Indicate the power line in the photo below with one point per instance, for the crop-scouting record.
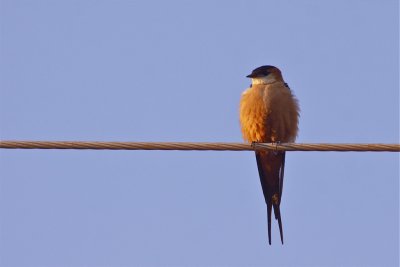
(219, 146)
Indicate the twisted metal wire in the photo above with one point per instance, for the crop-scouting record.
(219, 146)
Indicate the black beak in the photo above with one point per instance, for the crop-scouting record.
(251, 76)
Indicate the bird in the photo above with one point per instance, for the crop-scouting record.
(269, 113)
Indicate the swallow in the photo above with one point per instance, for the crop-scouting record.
(269, 113)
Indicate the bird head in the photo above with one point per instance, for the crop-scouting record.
(265, 75)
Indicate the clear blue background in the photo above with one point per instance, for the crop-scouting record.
(174, 71)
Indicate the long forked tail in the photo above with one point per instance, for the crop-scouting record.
(271, 169)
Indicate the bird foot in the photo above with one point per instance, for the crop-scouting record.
(276, 151)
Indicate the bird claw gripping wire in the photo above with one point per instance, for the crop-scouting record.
(254, 145)
(274, 144)
(276, 151)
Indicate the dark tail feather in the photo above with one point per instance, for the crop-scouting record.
(269, 211)
(277, 212)
(281, 175)
(277, 209)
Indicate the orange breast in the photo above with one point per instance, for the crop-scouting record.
(269, 113)
(253, 115)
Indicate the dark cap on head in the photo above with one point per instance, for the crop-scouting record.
(262, 71)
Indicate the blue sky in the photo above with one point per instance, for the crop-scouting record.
(174, 71)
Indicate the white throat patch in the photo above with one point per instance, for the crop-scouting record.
(263, 80)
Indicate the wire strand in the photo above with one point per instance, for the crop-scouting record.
(219, 146)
